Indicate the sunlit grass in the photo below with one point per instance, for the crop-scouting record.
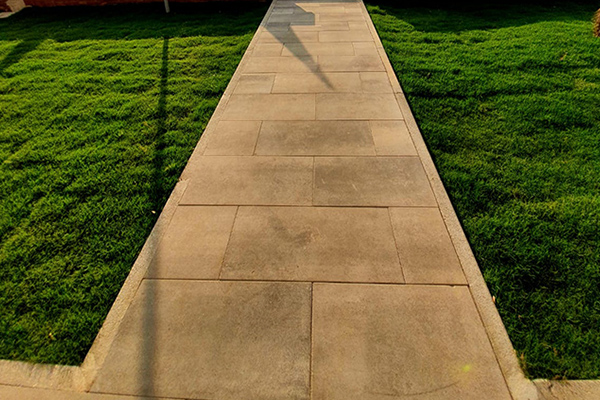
(100, 109)
(508, 99)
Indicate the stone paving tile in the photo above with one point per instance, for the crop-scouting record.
(392, 138)
(321, 26)
(287, 37)
(318, 83)
(426, 251)
(347, 106)
(402, 342)
(318, 49)
(350, 64)
(212, 340)
(233, 138)
(320, 138)
(371, 181)
(312, 244)
(261, 107)
(375, 82)
(194, 244)
(255, 83)
(219, 180)
(347, 17)
(365, 49)
(358, 25)
(281, 64)
(350, 36)
(267, 50)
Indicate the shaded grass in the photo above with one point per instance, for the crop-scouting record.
(99, 111)
(508, 99)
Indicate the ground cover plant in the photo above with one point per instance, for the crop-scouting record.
(100, 109)
(508, 99)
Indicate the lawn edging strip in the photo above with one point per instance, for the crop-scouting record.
(80, 378)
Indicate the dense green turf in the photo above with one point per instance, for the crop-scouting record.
(99, 111)
(508, 98)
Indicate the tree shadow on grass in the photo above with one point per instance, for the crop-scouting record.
(17, 53)
(462, 15)
(128, 22)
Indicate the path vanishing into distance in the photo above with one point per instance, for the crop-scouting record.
(309, 250)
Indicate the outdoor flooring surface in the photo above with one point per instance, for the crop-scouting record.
(308, 257)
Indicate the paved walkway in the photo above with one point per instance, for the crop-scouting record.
(307, 257)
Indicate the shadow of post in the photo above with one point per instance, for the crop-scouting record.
(149, 319)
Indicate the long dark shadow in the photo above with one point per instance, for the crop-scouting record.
(289, 37)
(17, 53)
(148, 347)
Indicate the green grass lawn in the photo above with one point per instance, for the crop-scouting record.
(99, 111)
(508, 99)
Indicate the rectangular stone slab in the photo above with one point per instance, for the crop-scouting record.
(371, 181)
(318, 82)
(260, 107)
(318, 49)
(374, 342)
(349, 36)
(249, 181)
(426, 251)
(315, 138)
(194, 243)
(350, 64)
(281, 64)
(312, 244)
(233, 138)
(367, 106)
(212, 340)
(392, 138)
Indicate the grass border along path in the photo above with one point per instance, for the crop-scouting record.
(508, 99)
(100, 109)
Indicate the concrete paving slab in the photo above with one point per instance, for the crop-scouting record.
(312, 244)
(403, 342)
(318, 49)
(212, 340)
(233, 138)
(261, 107)
(319, 138)
(346, 17)
(371, 181)
(357, 25)
(425, 248)
(341, 82)
(267, 50)
(350, 106)
(350, 36)
(392, 138)
(217, 180)
(194, 244)
(375, 82)
(321, 26)
(350, 64)
(365, 49)
(287, 37)
(281, 64)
